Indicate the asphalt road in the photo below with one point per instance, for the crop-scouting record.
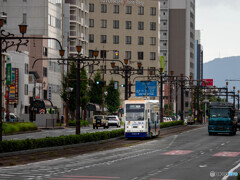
(191, 155)
(55, 132)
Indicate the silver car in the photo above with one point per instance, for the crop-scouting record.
(113, 121)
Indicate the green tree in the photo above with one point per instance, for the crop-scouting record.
(95, 93)
(168, 111)
(84, 99)
(112, 99)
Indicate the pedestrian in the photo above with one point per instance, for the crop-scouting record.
(62, 118)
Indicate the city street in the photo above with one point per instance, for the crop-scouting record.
(55, 133)
(186, 156)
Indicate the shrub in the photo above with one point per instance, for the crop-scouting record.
(238, 178)
(171, 123)
(10, 128)
(82, 123)
(18, 145)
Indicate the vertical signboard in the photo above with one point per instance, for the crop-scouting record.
(8, 74)
(13, 92)
(50, 93)
(162, 62)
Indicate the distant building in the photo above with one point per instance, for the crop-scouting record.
(198, 56)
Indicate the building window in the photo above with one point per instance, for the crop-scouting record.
(152, 56)
(128, 54)
(186, 104)
(153, 11)
(103, 23)
(115, 24)
(140, 55)
(25, 18)
(26, 109)
(116, 9)
(152, 26)
(128, 40)
(186, 94)
(103, 39)
(128, 9)
(103, 8)
(152, 41)
(91, 7)
(91, 22)
(44, 94)
(25, 89)
(115, 40)
(26, 68)
(140, 40)
(44, 72)
(91, 38)
(128, 24)
(141, 10)
(152, 69)
(45, 51)
(140, 25)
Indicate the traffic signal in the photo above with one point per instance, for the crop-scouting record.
(122, 85)
(101, 83)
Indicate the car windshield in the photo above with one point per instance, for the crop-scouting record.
(111, 118)
(98, 117)
(225, 113)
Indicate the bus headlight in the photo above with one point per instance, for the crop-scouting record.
(128, 126)
(140, 127)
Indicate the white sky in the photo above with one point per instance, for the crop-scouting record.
(219, 23)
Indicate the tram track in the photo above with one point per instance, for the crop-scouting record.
(74, 150)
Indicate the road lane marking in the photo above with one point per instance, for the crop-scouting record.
(103, 177)
(227, 154)
(177, 152)
(231, 171)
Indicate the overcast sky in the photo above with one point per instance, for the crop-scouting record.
(219, 23)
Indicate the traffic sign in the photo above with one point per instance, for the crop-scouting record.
(142, 86)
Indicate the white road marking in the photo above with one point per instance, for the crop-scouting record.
(233, 169)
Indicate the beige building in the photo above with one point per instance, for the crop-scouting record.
(130, 27)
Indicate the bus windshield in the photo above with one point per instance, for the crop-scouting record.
(222, 112)
(134, 112)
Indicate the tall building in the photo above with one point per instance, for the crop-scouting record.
(44, 19)
(130, 27)
(78, 28)
(198, 56)
(177, 30)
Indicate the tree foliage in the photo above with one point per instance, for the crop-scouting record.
(95, 92)
(112, 99)
(72, 83)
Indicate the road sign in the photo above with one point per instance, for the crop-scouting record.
(209, 82)
(9, 74)
(141, 86)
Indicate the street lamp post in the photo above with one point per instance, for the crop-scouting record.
(126, 73)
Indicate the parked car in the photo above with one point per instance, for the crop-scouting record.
(113, 121)
(100, 121)
(12, 117)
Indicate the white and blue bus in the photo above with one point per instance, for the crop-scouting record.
(141, 118)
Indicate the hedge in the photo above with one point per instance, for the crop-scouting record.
(18, 145)
(171, 123)
(238, 178)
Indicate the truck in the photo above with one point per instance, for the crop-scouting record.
(222, 118)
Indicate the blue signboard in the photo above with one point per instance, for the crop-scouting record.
(142, 86)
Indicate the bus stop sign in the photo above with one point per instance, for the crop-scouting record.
(146, 88)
